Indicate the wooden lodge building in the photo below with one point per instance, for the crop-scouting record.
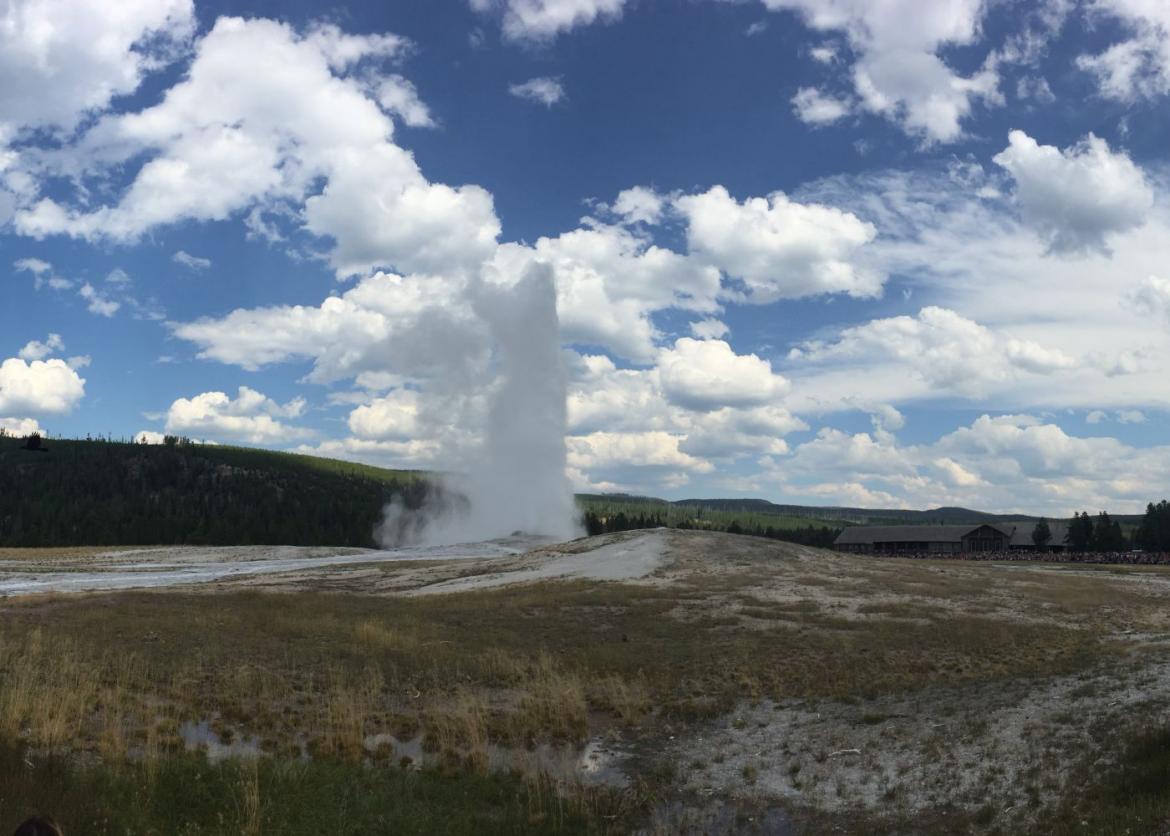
(944, 539)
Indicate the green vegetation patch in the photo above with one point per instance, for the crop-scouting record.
(184, 795)
(1133, 796)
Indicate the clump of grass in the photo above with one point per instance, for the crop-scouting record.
(502, 667)
(902, 609)
(376, 635)
(349, 708)
(627, 699)
(553, 704)
(250, 797)
(460, 726)
(48, 690)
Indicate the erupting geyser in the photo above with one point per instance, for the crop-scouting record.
(516, 479)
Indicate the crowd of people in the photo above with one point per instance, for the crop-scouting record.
(1134, 558)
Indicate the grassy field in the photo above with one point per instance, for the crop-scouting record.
(95, 689)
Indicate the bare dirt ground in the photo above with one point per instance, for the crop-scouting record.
(814, 690)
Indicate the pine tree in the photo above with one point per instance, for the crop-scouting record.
(1080, 532)
(1041, 535)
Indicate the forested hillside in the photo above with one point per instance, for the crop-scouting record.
(759, 518)
(114, 493)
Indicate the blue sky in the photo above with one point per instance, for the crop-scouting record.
(822, 251)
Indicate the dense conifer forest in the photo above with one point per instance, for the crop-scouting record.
(65, 492)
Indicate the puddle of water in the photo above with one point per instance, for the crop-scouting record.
(594, 765)
(722, 818)
(201, 736)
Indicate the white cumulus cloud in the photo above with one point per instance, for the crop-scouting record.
(544, 90)
(37, 350)
(394, 416)
(639, 205)
(98, 302)
(998, 462)
(1076, 198)
(38, 387)
(398, 96)
(898, 72)
(707, 374)
(543, 20)
(63, 59)
(272, 120)
(20, 426)
(948, 351)
(1138, 66)
(780, 248)
(818, 108)
(250, 416)
(192, 262)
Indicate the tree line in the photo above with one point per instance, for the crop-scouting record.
(1153, 532)
(64, 492)
(810, 535)
(1104, 534)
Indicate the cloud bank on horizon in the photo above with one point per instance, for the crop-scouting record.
(822, 251)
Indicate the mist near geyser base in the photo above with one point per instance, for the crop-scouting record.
(515, 480)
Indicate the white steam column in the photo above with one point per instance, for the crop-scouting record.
(517, 481)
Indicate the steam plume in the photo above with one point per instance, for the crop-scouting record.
(516, 479)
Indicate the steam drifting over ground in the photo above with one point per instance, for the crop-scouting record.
(514, 479)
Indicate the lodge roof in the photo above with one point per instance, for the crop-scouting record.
(862, 534)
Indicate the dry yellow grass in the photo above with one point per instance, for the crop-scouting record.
(459, 729)
(47, 691)
(250, 798)
(349, 709)
(553, 703)
(627, 699)
(503, 666)
(376, 635)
